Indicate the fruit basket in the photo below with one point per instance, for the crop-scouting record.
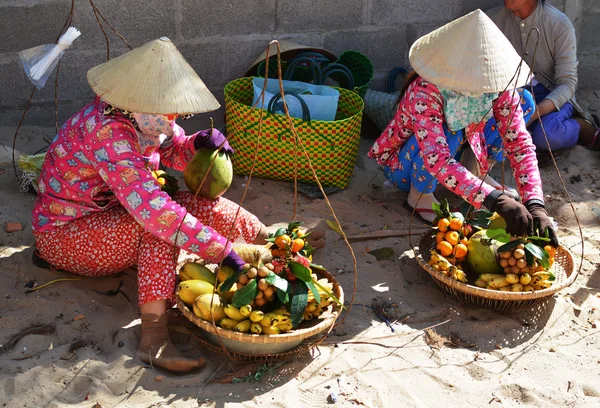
(563, 270)
(246, 345)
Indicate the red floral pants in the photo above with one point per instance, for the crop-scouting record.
(110, 241)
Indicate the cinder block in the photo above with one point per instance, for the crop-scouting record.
(23, 27)
(415, 31)
(394, 12)
(589, 38)
(137, 21)
(588, 70)
(466, 6)
(309, 15)
(209, 18)
(39, 114)
(385, 47)
(73, 84)
(207, 59)
(239, 55)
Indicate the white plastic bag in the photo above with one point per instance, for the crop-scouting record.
(322, 100)
(39, 62)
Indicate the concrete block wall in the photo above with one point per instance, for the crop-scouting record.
(221, 38)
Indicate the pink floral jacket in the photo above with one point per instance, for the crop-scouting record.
(99, 161)
(421, 112)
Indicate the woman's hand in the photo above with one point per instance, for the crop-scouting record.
(518, 219)
(208, 140)
(542, 222)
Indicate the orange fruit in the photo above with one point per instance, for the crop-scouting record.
(455, 224)
(460, 251)
(464, 241)
(445, 248)
(439, 237)
(278, 252)
(452, 237)
(283, 241)
(443, 224)
(297, 245)
(551, 251)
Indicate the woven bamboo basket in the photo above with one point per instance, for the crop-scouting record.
(563, 269)
(247, 346)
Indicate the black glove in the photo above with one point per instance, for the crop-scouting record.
(213, 140)
(518, 219)
(542, 225)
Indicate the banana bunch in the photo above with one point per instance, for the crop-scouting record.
(443, 265)
(314, 309)
(515, 283)
(167, 183)
(246, 320)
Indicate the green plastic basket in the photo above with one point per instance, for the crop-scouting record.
(361, 68)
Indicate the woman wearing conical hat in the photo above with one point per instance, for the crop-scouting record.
(464, 90)
(99, 208)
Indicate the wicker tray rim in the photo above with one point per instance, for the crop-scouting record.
(300, 334)
(496, 294)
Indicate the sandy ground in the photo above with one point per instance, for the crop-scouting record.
(542, 356)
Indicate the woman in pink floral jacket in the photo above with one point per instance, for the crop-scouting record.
(100, 210)
(464, 92)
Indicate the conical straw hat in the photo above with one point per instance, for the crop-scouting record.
(154, 78)
(469, 54)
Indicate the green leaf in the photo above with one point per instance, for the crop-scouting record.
(552, 278)
(225, 286)
(298, 302)
(270, 240)
(301, 271)
(245, 295)
(545, 262)
(280, 232)
(293, 225)
(529, 257)
(445, 207)
(383, 254)
(536, 251)
(499, 234)
(277, 281)
(508, 246)
(315, 291)
(437, 209)
(329, 293)
(312, 265)
(334, 227)
(307, 250)
(543, 239)
(282, 295)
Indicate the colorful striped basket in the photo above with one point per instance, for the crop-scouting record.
(332, 146)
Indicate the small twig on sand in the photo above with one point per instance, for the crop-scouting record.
(385, 337)
(35, 329)
(209, 379)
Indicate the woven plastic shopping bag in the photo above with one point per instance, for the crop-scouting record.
(332, 146)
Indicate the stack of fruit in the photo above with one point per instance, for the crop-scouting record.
(269, 297)
(525, 267)
(486, 253)
(451, 238)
